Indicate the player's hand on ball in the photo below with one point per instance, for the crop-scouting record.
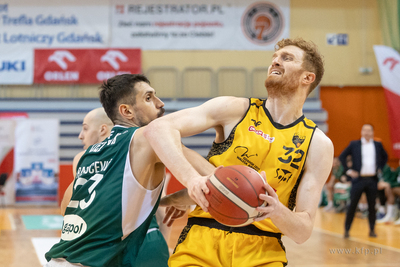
(272, 200)
(197, 188)
(172, 213)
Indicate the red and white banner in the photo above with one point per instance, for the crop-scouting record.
(389, 67)
(66, 66)
(8, 121)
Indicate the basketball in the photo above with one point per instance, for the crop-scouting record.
(233, 195)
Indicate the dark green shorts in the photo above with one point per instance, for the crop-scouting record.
(154, 251)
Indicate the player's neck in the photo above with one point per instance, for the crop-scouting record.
(285, 109)
(125, 123)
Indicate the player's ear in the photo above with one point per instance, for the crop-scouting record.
(308, 78)
(126, 111)
(103, 129)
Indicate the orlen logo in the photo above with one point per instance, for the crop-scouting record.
(262, 134)
(61, 57)
(112, 57)
(73, 227)
(8, 65)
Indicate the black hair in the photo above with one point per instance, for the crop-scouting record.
(117, 90)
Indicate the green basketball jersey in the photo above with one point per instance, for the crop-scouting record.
(108, 207)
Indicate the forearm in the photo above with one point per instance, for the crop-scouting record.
(201, 165)
(169, 150)
(295, 225)
(66, 199)
(180, 198)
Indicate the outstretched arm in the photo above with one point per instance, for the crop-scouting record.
(164, 135)
(298, 224)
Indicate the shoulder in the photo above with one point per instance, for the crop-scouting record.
(378, 143)
(356, 142)
(76, 160)
(141, 145)
(379, 146)
(321, 149)
(320, 156)
(321, 142)
(78, 157)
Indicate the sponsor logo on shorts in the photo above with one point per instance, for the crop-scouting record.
(262, 23)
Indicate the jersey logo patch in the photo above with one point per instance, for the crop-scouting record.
(297, 140)
(73, 227)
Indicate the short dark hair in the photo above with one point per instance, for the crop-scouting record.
(370, 124)
(118, 90)
(312, 61)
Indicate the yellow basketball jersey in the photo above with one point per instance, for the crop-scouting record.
(260, 143)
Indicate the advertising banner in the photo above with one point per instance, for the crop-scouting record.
(389, 68)
(7, 160)
(36, 160)
(16, 66)
(51, 24)
(7, 140)
(202, 25)
(87, 66)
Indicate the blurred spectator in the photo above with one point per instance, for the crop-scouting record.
(395, 184)
(337, 171)
(392, 177)
(342, 188)
(384, 184)
(368, 157)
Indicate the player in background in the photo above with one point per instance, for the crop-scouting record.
(96, 127)
(271, 136)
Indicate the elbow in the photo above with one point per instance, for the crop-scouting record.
(303, 238)
(305, 231)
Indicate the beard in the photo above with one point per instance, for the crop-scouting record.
(282, 86)
(141, 121)
(161, 112)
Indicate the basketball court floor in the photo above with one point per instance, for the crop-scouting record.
(26, 233)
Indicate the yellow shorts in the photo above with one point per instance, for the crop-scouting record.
(212, 247)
